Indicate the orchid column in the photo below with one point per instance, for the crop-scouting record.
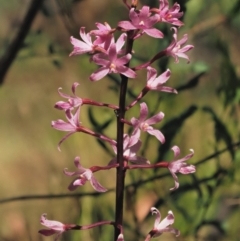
(114, 56)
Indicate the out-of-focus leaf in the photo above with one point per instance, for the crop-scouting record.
(45, 11)
(157, 205)
(98, 127)
(57, 63)
(171, 128)
(230, 83)
(235, 10)
(51, 48)
(191, 83)
(221, 132)
(200, 66)
(163, 63)
(117, 82)
(214, 223)
(96, 215)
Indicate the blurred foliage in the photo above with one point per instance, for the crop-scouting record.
(204, 116)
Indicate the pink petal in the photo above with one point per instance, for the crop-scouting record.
(126, 71)
(143, 112)
(166, 221)
(127, 25)
(99, 74)
(153, 32)
(188, 169)
(78, 164)
(120, 237)
(47, 232)
(121, 41)
(62, 126)
(155, 119)
(158, 134)
(96, 185)
(176, 151)
(79, 47)
(158, 216)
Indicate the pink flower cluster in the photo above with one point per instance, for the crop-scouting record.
(112, 56)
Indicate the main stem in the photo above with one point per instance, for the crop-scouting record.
(120, 177)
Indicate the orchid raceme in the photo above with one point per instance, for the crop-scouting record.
(175, 50)
(72, 101)
(84, 175)
(143, 124)
(111, 49)
(142, 21)
(180, 165)
(164, 225)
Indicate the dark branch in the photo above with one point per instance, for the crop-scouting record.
(15, 45)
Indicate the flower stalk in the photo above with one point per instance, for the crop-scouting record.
(113, 58)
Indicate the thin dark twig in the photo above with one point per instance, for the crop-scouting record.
(52, 196)
(15, 45)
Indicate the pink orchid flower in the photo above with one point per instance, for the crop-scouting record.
(111, 63)
(175, 50)
(55, 227)
(103, 35)
(180, 165)
(84, 175)
(72, 101)
(156, 83)
(164, 225)
(142, 20)
(131, 144)
(171, 15)
(143, 124)
(82, 47)
(72, 126)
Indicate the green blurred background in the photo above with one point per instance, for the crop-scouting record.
(204, 116)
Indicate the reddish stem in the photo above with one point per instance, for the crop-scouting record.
(145, 166)
(92, 102)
